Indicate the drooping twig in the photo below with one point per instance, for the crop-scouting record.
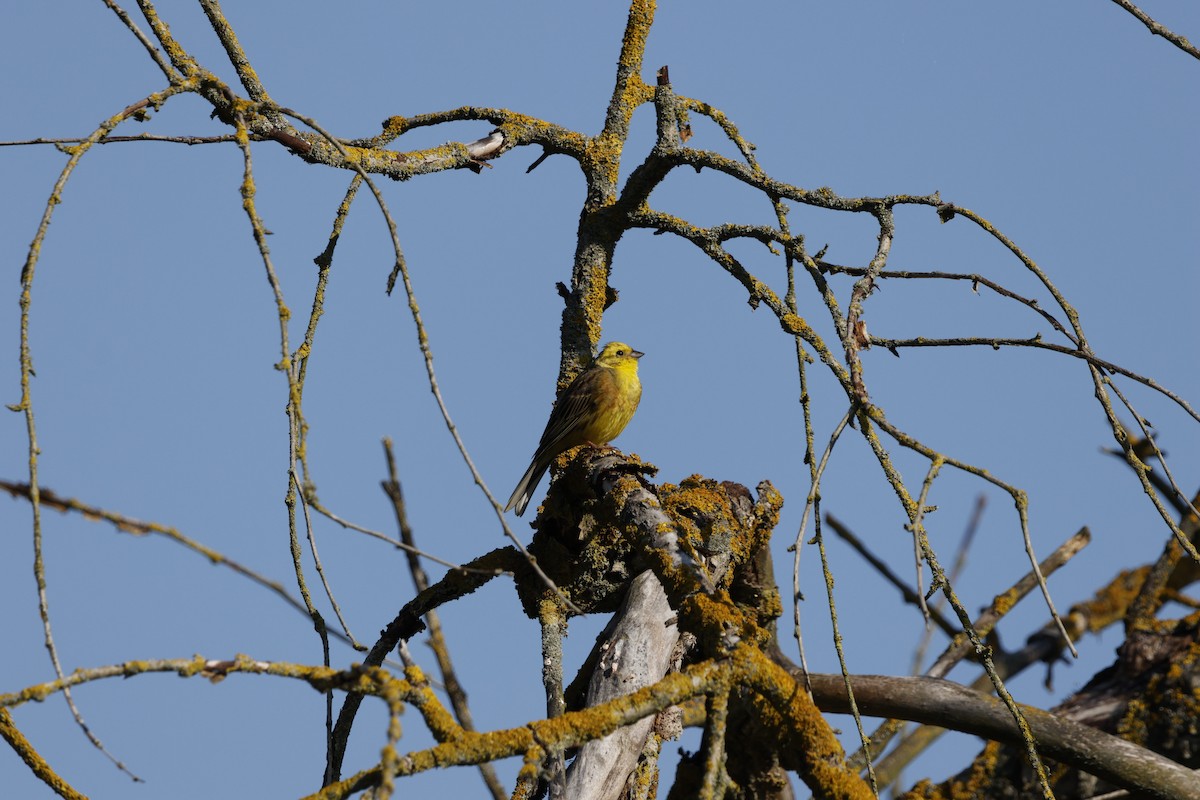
(1172, 491)
(996, 342)
(1098, 377)
(813, 504)
(919, 534)
(976, 280)
(803, 359)
(136, 527)
(960, 562)
(295, 422)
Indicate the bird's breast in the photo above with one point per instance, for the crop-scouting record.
(623, 402)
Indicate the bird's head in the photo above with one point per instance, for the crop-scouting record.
(618, 355)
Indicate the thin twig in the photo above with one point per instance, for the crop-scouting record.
(295, 426)
(889, 763)
(136, 527)
(383, 537)
(1182, 506)
(437, 639)
(128, 22)
(1036, 341)
(802, 358)
(300, 358)
(813, 504)
(960, 562)
(917, 529)
(975, 279)
(861, 290)
(312, 545)
(865, 742)
(1005, 601)
(1175, 495)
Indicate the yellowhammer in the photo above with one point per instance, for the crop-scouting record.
(594, 409)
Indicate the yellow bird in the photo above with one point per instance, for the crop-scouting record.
(594, 409)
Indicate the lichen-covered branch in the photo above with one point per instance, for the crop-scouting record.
(12, 735)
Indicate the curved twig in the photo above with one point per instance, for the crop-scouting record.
(26, 360)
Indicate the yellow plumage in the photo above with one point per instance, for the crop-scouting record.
(594, 409)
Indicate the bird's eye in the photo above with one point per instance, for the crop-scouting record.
(620, 352)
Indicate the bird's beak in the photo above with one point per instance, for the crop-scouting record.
(636, 354)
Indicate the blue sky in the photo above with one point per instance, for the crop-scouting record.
(154, 333)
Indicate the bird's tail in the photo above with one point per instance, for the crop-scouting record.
(529, 481)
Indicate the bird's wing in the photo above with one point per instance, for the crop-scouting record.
(577, 405)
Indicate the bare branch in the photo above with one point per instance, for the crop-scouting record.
(141, 137)
(1160, 30)
(947, 704)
